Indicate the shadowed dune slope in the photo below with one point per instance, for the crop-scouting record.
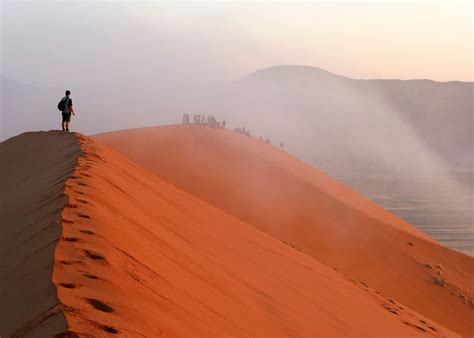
(134, 256)
(266, 187)
(33, 171)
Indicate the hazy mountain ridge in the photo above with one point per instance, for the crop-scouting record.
(431, 108)
(299, 105)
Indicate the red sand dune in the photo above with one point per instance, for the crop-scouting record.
(267, 188)
(94, 245)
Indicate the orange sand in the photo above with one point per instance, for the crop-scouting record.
(275, 192)
(135, 256)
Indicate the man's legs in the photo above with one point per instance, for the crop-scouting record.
(66, 119)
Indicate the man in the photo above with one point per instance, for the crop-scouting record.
(185, 118)
(67, 110)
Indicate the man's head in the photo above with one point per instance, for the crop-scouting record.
(68, 92)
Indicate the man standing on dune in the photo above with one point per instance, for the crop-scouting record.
(66, 108)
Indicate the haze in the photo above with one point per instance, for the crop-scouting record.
(58, 43)
(140, 64)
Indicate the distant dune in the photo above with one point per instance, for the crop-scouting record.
(94, 245)
(273, 191)
(299, 105)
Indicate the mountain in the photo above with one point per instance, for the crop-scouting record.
(266, 187)
(94, 245)
(348, 111)
(304, 107)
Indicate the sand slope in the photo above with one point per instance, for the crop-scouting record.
(134, 256)
(33, 171)
(282, 196)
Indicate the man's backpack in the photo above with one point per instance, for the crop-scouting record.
(62, 104)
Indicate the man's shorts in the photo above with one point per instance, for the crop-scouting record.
(66, 117)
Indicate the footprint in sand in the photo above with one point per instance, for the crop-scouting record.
(67, 285)
(64, 262)
(95, 256)
(90, 276)
(98, 305)
(109, 329)
(414, 326)
(73, 239)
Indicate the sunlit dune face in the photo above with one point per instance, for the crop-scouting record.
(112, 248)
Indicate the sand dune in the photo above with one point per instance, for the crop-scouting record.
(94, 245)
(33, 171)
(267, 188)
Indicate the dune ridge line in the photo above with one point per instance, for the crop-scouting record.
(135, 256)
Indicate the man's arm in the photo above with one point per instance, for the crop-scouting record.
(71, 107)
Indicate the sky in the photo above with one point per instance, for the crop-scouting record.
(137, 63)
(55, 43)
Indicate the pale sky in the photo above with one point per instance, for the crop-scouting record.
(90, 41)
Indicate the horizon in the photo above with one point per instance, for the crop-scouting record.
(246, 75)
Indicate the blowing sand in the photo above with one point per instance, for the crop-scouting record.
(282, 196)
(112, 249)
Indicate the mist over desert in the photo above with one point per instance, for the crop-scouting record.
(236, 169)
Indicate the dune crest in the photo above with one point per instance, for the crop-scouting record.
(273, 191)
(131, 255)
